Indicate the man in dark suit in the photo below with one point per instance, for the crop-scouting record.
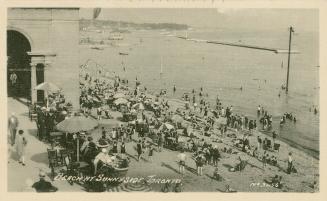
(42, 185)
(42, 124)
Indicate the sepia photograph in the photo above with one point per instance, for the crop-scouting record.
(162, 100)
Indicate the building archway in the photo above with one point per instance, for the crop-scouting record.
(18, 65)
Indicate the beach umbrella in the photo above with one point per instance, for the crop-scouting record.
(109, 123)
(221, 120)
(121, 101)
(48, 87)
(185, 124)
(166, 126)
(148, 139)
(95, 99)
(119, 95)
(76, 124)
(138, 106)
(177, 118)
(182, 139)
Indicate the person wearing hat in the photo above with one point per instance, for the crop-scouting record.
(42, 185)
(290, 163)
(182, 159)
(21, 143)
(91, 150)
(199, 161)
(12, 125)
(41, 123)
(139, 150)
(84, 142)
(102, 157)
(274, 136)
(215, 155)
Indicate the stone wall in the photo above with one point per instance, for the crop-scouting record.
(54, 37)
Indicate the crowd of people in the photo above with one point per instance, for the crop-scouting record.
(156, 124)
(198, 120)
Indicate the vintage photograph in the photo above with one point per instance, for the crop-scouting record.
(163, 99)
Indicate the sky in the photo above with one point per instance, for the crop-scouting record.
(306, 20)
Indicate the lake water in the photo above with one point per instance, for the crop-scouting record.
(223, 70)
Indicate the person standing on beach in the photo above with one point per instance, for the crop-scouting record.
(160, 142)
(264, 160)
(199, 160)
(182, 159)
(113, 134)
(21, 143)
(12, 125)
(274, 136)
(215, 155)
(122, 148)
(139, 150)
(259, 142)
(259, 110)
(115, 148)
(151, 149)
(99, 112)
(289, 163)
(174, 89)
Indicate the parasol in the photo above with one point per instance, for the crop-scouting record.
(47, 87)
(221, 120)
(166, 126)
(138, 106)
(109, 123)
(120, 101)
(76, 124)
(149, 139)
(182, 139)
(177, 118)
(119, 95)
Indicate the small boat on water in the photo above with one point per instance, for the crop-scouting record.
(115, 36)
(97, 47)
(123, 53)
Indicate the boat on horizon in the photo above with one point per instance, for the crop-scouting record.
(123, 53)
(115, 36)
(98, 47)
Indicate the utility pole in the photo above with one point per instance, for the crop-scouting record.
(289, 57)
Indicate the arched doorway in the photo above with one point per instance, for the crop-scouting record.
(18, 65)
